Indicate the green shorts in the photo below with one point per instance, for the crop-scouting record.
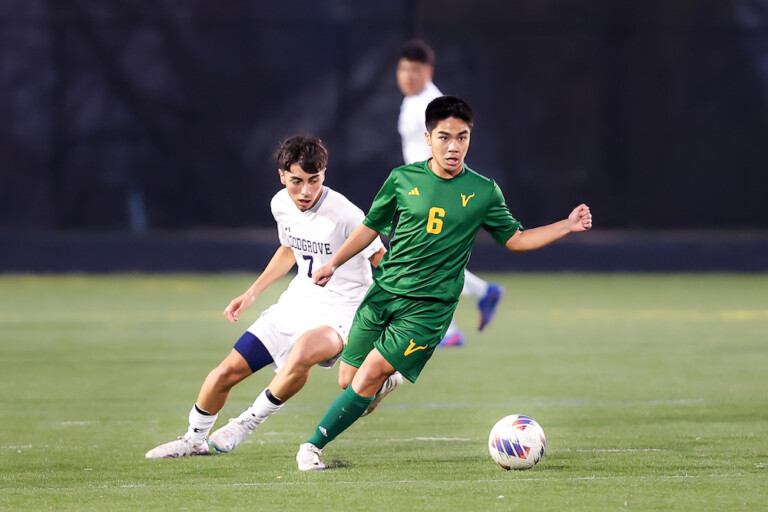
(404, 330)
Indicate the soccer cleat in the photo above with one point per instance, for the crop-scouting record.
(453, 340)
(487, 305)
(391, 383)
(308, 457)
(182, 447)
(230, 435)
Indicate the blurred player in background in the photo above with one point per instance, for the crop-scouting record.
(415, 70)
(407, 310)
(308, 324)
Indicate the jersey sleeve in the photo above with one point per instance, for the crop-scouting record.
(381, 216)
(281, 235)
(499, 222)
(280, 228)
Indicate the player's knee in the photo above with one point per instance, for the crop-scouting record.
(370, 375)
(345, 379)
(296, 365)
(373, 372)
(315, 347)
(346, 374)
(228, 370)
(302, 357)
(225, 376)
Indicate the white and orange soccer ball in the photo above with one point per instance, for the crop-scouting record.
(517, 442)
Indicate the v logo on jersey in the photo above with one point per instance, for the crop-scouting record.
(465, 199)
(414, 192)
(413, 348)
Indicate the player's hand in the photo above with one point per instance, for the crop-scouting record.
(237, 306)
(322, 275)
(580, 219)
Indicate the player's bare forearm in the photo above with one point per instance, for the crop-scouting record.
(580, 219)
(282, 261)
(535, 238)
(358, 240)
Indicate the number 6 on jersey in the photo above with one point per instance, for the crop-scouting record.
(434, 222)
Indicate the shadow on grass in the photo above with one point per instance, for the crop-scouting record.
(337, 464)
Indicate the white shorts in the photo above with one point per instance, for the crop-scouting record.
(280, 325)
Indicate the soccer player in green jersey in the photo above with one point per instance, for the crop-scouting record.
(441, 204)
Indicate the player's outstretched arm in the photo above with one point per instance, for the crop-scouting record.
(580, 219)
(358, 240)
(282, 261)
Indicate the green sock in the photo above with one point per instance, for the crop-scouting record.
(342, 413)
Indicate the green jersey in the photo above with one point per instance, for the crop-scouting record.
(438, 222)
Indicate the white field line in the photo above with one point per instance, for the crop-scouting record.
(478, 440)
(688, 315)
(528, 403)
(550, 403)
(411, 439)
(611, 450)
(725, 315)
(501, 480)
(106, 317)
(379, 483)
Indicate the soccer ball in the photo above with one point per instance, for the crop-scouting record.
(517, 442)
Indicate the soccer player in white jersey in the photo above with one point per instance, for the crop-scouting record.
(415, 70)
(313, 221)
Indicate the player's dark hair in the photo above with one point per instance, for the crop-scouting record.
(417, 50)
(445, 107)
(309, 152)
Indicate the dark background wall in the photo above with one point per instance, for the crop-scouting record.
(128, 115)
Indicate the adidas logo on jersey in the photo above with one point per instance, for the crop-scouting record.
(414, 192)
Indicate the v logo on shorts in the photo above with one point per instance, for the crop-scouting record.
(413, 348)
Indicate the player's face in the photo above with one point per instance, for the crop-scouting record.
(304, 188)
(412, 76)
(450, 143)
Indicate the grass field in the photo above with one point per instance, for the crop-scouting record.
(652, 389)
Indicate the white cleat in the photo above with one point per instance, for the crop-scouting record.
(391, 383)
(182, 447)
(308, 457)
(230, 435)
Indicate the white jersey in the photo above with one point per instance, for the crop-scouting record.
(410, 124)
(314, 236)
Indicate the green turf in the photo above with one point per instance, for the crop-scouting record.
(652, 389)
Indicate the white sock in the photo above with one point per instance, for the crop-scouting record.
(259, 411)
(199, 425)
(474, 286)
(452, 329)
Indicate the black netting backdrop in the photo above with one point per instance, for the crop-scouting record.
(157, 115)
